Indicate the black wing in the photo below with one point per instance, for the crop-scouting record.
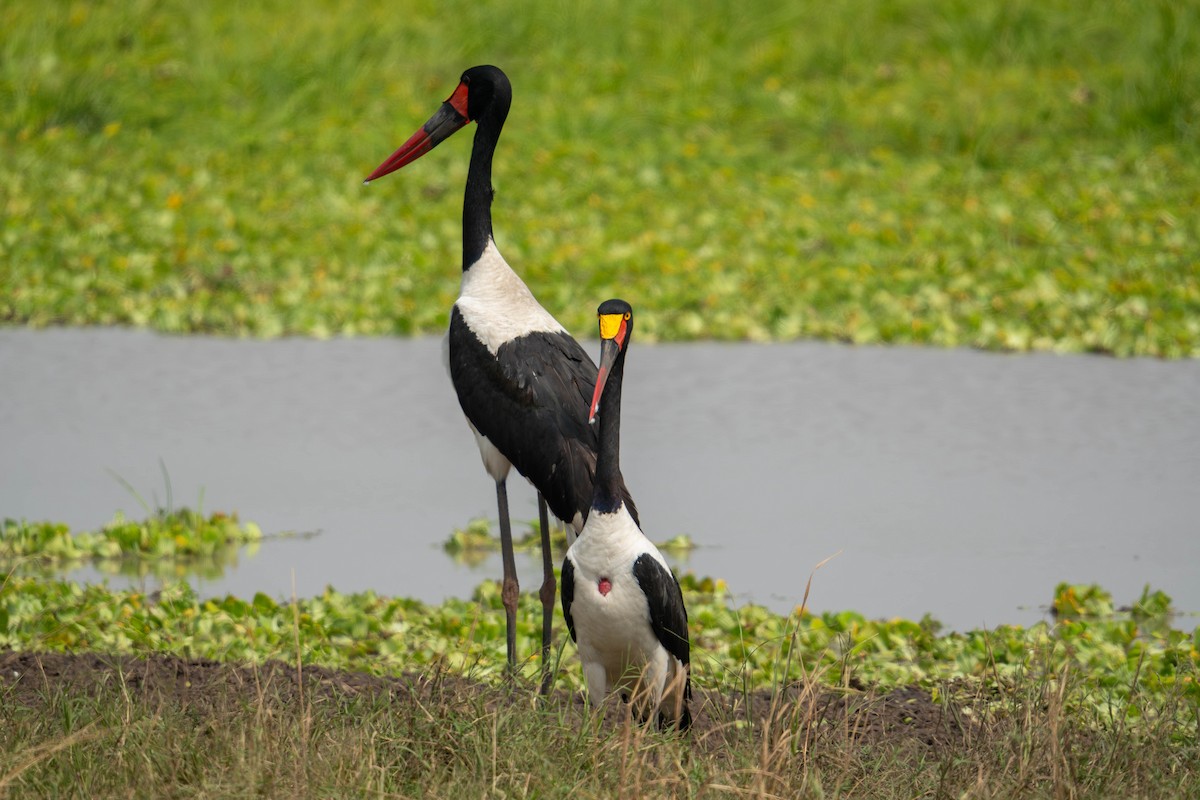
(531, 400)
(568, 595)
(668, 617)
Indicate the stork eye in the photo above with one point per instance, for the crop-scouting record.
(628, 315)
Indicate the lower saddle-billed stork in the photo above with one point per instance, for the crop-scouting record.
(522, 381)
(621, 602)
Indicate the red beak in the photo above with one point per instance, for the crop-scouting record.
(609, 349)
(448, 119)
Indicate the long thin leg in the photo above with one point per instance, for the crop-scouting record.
(509, 589)
(547, 594)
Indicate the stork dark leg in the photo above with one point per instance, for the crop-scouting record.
(547, 593)
(509, 589)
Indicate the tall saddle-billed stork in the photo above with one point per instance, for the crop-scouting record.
(522, 381)
(622, 604)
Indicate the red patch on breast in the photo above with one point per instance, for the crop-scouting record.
(605, 587)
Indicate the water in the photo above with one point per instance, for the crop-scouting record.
(954, 482)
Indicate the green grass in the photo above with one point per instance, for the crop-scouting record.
(798, 705)
(1125, 656)
(275, 731)
(1019, 175)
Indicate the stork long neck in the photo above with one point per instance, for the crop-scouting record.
(606, 495)
(477, 199)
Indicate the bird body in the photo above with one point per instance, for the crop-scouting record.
(625, 611)
(525, 396)
(622, 604)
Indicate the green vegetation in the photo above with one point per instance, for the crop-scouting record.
(165, 534)
(1125, 663)
(474, 543)
(167, 544)
(1020, 175)
(1126, 656)
(1100, 699)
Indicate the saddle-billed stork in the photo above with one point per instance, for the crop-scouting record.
(622, 604)
(523, 383)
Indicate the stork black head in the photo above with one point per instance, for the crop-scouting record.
(488, 93)
(484, 95)
(616, 328)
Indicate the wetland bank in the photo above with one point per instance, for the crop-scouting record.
(1008, 177)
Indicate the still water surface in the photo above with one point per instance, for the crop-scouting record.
(955, 482)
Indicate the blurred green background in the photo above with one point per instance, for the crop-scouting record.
(1017, 175)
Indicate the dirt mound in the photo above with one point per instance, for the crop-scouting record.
(906, 716)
